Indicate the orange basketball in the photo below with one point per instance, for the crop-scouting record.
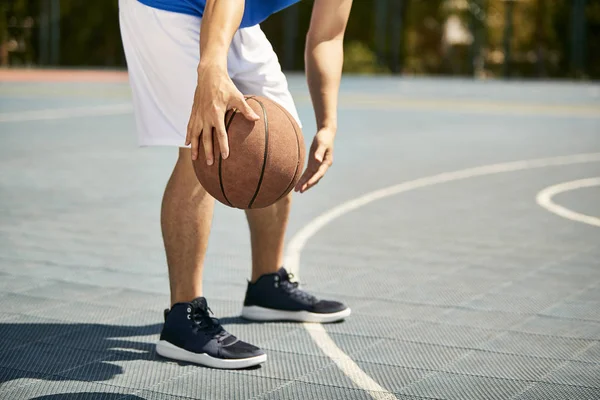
(265, 160)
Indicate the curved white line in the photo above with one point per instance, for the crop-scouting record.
(299, 240)
(64, 113)
(544, 199)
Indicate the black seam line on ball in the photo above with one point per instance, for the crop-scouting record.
(288, 187)
(264, 166)
(228, 124)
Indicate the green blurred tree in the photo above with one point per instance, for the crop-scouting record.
(541, 42)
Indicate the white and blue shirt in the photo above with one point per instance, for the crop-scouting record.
(255, 11)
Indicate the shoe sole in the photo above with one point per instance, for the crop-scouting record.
(257, 313)
(168, 350)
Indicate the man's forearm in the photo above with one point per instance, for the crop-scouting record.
(324, 57)
(323, 72)
(220, 21)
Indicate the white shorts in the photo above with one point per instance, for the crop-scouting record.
(163, 51)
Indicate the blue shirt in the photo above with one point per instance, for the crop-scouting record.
(255, 11)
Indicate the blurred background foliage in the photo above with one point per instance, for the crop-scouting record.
(519, 38)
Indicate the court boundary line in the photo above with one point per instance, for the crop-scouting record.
(317, 332)
(544, 200)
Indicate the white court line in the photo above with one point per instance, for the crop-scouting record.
(64, 113)
(544, 199)
(299, 240)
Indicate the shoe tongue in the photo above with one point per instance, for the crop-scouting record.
(200, 303)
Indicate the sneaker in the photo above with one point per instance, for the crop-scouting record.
(274, 297)
(191, 334)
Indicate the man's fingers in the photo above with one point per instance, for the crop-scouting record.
(187, 135)
(303, 179)
(207, 142)
(190, 129)
(317, 176)
(311, 169)
(245, 109)
(221, 134)
(311, 176)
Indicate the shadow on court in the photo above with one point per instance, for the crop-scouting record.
(81, 352)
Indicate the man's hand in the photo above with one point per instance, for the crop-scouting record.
(215, 94)
(319, 160)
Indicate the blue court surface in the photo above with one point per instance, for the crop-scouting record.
(460, 221)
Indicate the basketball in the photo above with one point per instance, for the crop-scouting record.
(265, 160)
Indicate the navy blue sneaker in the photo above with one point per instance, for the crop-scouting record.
(191, 334)
(274, 297)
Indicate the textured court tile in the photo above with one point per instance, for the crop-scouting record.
(213, 384)
(502, 366)
(507, 302)
(81, 312)
(68, 291)
(383, 308)
(13, 378)
(392, 378)
(226, 291)
(300, 342)
(288, 366)
(411, 355)
(19, 303)
(295, 342)
(304, 391)
(56, 389)
(28, 328)
(138, 318)
(5, 317)
(548, 391)
(388, 377)
(133, 299)
(575, 309)
(8, 344)
(448, 335)
(16, 283)
(330, 376)
(364, 325)
(150, 395)
(373, 286)
(548, 284)
(480, 318)
(591, 354)
(130, 369)
(435, 295)
(99, 337)
(449, 386)
(590, 294)
(576, 374)
(48, 359)
(137, 331)
(553, 326)
(536, 345)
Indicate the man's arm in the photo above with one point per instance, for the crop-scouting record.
(324, 57)
(215, 92)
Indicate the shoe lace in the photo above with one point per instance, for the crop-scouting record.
(203, 320)
(293, 289)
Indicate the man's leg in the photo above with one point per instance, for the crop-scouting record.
(186, 217)
(271, 295)
(267, 235)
